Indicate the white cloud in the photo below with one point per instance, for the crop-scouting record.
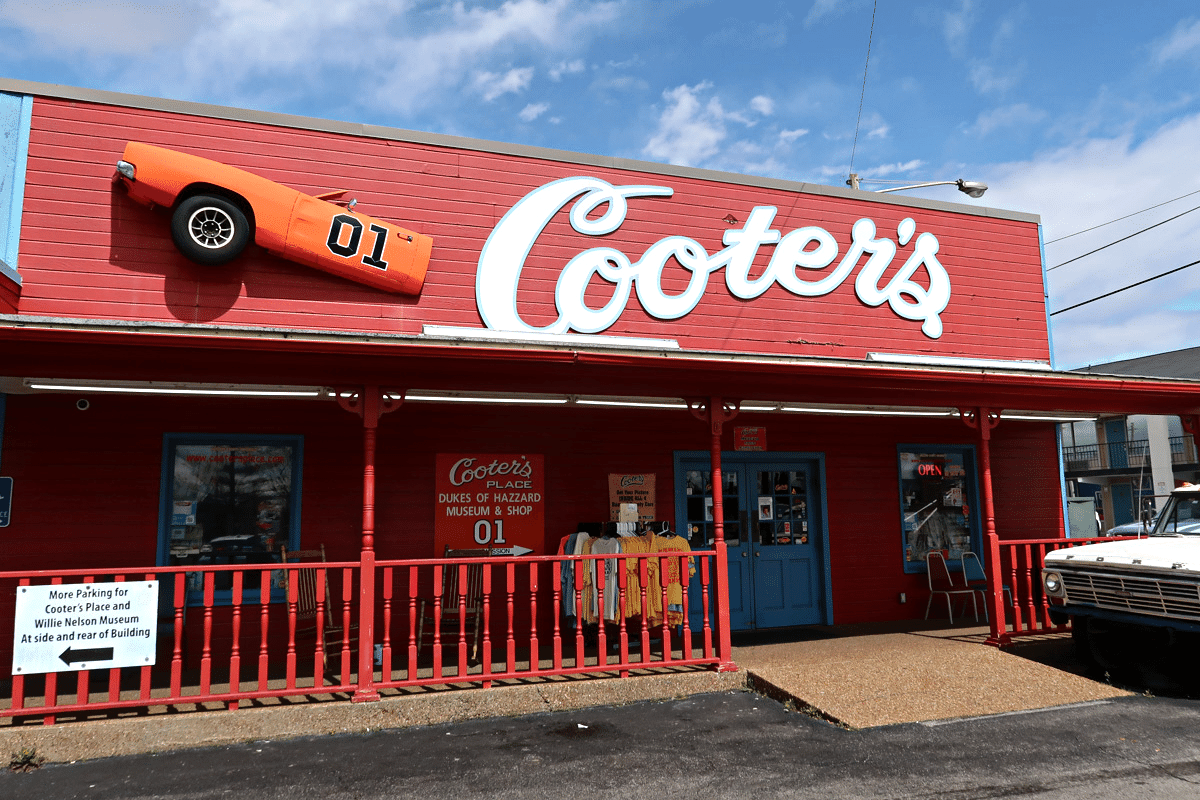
(823, 8)
(985, 79)
(566, 68)
(880, 132)
(1184, 42)
(493, 84)
(621, 83)
(956, 26)
(532, 111)
(1094, 181)
(792, 135)
(391, 55)
(1014, 116)
(763, 105)
(100, 28)
(883, 170)
(689, 131)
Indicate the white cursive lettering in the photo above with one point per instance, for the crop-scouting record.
(465, 471)
(508, 246)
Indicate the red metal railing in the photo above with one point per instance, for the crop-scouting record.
(1026, 607)
(228, 635)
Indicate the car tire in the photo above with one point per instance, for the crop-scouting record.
(209, 230)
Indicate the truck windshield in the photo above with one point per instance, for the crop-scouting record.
(1181, 516)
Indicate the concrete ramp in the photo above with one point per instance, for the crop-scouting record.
(863, 678)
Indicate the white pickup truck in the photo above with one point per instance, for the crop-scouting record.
(1134, 605)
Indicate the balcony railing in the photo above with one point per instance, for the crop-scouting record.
(231, 635)
(1111, 455)
(1183, 449)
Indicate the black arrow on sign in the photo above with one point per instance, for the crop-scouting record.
(70, 656)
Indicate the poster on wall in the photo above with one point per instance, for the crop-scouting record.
(750, 439)
(636, 489)
(6, 490)
(494, 501)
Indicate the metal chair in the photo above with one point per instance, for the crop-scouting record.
(976, 580)
(942, 582)
(461, 606)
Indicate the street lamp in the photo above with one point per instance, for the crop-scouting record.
(969, 188)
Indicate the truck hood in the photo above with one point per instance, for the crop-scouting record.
(1164, 552)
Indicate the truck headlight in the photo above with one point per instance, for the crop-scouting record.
(126, 169)
(1052, 583)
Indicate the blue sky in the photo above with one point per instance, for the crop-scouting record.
(1082, 112)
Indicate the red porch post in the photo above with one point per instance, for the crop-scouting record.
(370, 403)
(716, 412)
(1191, 424)
(983, 420)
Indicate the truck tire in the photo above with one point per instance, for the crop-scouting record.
(1116, 648)
(209, 230)
(1083, 645)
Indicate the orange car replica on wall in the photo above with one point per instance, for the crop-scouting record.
(216, 208)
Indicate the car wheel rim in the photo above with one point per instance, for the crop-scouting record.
(211, 227)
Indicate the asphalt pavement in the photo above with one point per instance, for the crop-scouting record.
(719, 745)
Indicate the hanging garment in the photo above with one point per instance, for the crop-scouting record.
(589, 581)
(612, 596)
(675, 582)
(567, 573)
(634, 545)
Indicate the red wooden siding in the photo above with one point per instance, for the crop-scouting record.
(89, 252)
(88, 481)
(10, 294)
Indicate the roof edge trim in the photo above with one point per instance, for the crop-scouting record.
(365, 130)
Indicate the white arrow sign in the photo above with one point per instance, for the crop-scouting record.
(511, 551)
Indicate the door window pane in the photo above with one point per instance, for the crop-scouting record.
(782, 508)
(698, 489)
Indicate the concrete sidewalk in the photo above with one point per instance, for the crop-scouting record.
(858, 677)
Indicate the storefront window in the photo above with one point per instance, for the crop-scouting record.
(229, 500)
(938, 503)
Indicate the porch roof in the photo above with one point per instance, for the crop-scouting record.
(43, 347)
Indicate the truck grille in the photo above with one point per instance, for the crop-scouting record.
(1134, 594)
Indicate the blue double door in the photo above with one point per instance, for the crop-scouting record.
(775, 524)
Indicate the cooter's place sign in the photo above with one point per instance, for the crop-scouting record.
(804, 251)
(494, 501)
(73, 627)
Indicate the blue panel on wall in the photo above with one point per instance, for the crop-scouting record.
(16, 112)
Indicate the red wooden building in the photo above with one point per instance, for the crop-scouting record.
(869, 373)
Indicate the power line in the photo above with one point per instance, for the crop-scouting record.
(1118, 241)
(1127, 216)
(1125, 288)
(861, 97)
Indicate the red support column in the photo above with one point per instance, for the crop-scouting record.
(370, 403)
(1191, 424)
(984, 420)
(716, 413)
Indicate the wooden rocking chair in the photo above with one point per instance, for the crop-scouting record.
(465, 605)
(332, 632)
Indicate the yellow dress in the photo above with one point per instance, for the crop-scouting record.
(675, 582)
